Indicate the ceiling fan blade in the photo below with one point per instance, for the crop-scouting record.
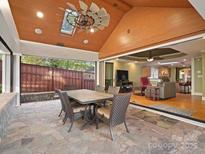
(83, 6)
(94, 8)
(90, 14)
(105, 23)
(83, 12)
(101, 27)
(95, 16)
(97, 21)
(102, 12)
(105, 18)
(71, 6)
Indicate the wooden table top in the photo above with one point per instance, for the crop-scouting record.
(85, 96)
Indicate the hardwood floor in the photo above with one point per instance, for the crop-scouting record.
(182, 101)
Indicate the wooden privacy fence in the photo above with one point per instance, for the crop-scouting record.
(35, 78)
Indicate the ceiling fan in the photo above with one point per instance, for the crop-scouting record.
(151, 58)
(90, 18)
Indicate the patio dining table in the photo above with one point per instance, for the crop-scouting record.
(89, 98)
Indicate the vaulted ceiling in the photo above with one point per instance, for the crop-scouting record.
(24, 13)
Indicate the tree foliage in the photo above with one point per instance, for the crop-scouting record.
(59, 63)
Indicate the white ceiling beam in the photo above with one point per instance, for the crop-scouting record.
(52, 51)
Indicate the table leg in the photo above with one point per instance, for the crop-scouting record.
(90, 117)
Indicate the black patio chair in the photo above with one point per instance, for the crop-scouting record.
(71, 108)
(113, 90)
(115, 113)
(57, 91)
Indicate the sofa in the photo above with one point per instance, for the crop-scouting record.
(167, 90)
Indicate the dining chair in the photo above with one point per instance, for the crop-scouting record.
(113, 90)
(115, 113)
(100, 88)
(71, 108)
(57, 91)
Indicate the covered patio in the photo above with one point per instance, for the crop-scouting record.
(36, 128)
(47, 109)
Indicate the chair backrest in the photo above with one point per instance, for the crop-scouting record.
(58, 91)
(144, 81)
(119, 108)
(100, 88)
(113, 90)
(67, 104)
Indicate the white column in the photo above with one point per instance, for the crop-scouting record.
(102, 73)
(192, 77)
(97, 65)
(16, 77)
(6, 73)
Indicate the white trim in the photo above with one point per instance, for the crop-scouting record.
(199, 7)
(200, 124)
(53, 51)
(8, 28)
(196, 94)
(203, 98)
(17, 54)
(157, 46)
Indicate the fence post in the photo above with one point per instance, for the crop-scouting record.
(82, 81)
(52, 78)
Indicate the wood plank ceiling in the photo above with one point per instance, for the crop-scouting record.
(24, 13)
(158, 3)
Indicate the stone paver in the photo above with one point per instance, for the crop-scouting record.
(36, 128)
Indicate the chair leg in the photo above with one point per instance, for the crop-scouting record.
(126, 127)
(60, 113)
(111, 134)
(65, 118)
(71, 125)
(96, 119)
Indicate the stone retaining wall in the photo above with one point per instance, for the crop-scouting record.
(38, 97)
(7, 103)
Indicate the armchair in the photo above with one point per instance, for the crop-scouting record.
(144, 83)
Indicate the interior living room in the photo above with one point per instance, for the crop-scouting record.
(166, 79)
(102, 76)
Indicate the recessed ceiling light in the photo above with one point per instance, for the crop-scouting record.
(39, 14)
(184, 59)
(38, 31)
(92, 30)
(85, 41)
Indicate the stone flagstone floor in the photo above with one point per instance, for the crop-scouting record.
(36, 129)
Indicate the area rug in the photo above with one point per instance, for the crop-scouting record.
(172, 109)
(152, 118)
